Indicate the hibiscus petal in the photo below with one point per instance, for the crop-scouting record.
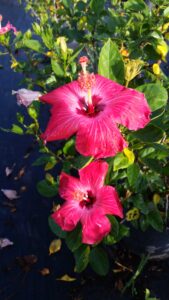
(63, 123)
(94, 226)
(107, 199)
(93, 176)
(130, 108)
(68, 215)
(99, 138)
(69, 93)
(105, 88)
(70, 187)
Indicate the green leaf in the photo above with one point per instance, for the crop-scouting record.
(121, 161)
(47, 189)
(97, 6)
(57, 68)
(140, 203)
(16, 129)
(155, 94)
(32, 112)
(69, 147)
(166, 12)
(136, 5)
(33, 45)
(74, 239)
(155, 220)
(81, 161)
(81, 258)
(111, 63)
(75, 54)
(20, 118)
(153, 164)
(56, 229)
(148, 134)
(44, 159)
(112, 238)
(99, 261)
(132, 175)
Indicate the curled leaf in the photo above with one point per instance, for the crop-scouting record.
(55, 246)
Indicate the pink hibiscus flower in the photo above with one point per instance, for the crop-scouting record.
(91, 107)
(88, 201)
(6, 28)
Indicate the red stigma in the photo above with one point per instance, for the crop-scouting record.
(83, 59)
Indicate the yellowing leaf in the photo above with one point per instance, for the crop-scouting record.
(129, 154)
(66, 278)
(156, 198)
(55, 246)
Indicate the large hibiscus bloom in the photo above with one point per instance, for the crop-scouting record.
(91, 107)
(88, 201)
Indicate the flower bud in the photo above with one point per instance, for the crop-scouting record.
(156, 69)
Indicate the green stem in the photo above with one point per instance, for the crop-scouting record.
(140, 268)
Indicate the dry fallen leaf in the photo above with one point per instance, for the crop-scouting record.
(55, 246)
(26, 262)
(5, 243)
(20, 173)
(66, 278)
(45, 272)
(10, 194)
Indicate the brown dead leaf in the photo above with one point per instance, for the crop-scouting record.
(55, 246)
(20, 173)
(4, 242)
(66, 278)
(26, 262)
(119, 285)
(45, 272)
(10, 194)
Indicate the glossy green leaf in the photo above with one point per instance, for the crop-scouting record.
(99, 261)
(56, 229)
(74, 239)
(33, 45)
(46, 189)
(97, 6)
(155, 94)
(57, 68)
(111, 63)
(136, 5)
(81, 258)
(155, 220)
(132, 174)
(148, 134)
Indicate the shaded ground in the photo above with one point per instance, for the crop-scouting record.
(24, 221)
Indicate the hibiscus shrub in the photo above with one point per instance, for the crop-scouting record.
(102, 67)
